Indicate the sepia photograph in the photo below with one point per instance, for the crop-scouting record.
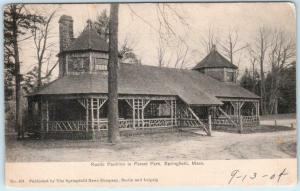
(172, 82)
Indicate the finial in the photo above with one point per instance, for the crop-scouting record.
(213, 48)
(89, 23)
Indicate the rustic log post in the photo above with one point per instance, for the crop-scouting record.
(47, 115)
(209, 125)
(98, 111)
(30, 119)
(241, 124)
(133, 113)
(41, 116)
(143, 122)
(175, 112)
(87, 114)
(92, 119)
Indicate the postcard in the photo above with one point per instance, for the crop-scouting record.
(150, 94)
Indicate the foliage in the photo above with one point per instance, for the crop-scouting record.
(250, 81)
(101, 25)
(126, 51)
(273, 50)
(25, 22)
(287, 98)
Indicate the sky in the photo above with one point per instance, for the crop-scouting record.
(189, 22)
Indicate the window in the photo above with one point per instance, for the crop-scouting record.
(230, 77)
(100, 64)
(79, 64)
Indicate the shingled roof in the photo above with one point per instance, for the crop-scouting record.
(88, 40)
(214, 60)
(192, 87)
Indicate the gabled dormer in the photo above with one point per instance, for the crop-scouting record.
(86, 54)
(217, 66)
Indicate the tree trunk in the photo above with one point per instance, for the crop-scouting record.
(253, 77)
(17, 75)
(113, 121)
(262, 76)
(39, 79)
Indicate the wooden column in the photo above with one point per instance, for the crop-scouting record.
(30, 112)
(235, 108)
(209, 125)
(40, 114)
(98, 111)
(47, 116)
(257, 113)
(241, 103)
(133, 113)
(175, 109)
(241, 124)
(172, 114)
(87, 113)
(92, 117)
(257, 108)
(43, 116)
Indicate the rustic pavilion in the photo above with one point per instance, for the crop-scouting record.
(150, 98)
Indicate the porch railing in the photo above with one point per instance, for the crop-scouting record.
(103, 124)
(190, 122)
(124, 124)
(248, 121)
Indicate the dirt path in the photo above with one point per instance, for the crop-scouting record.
(172, 146)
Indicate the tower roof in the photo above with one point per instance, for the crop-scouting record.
(214, 60)
(88, 40)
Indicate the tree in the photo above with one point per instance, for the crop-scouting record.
(17, 21)
(126, 50)
(287, 97)
(210, 40)
(113, 121)
(249, 82)
(259, 52)
(41, 35)
(282, 53)
(102, 25)
(231, 45)
(181, 54)
(167, 37)
(160, 54)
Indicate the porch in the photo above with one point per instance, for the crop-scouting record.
(236, 114)
(88, 115)
(61, 114)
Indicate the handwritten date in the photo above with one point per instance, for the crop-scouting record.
(237, 175)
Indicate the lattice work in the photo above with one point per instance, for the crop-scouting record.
(229, 118)
(249, 109)
(182, 112)
(188, 123)
(92, 107)
(65, 126)
(187, 118)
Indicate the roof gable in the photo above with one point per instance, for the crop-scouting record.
(214, 60)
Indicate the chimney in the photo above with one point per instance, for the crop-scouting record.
(65, 32)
